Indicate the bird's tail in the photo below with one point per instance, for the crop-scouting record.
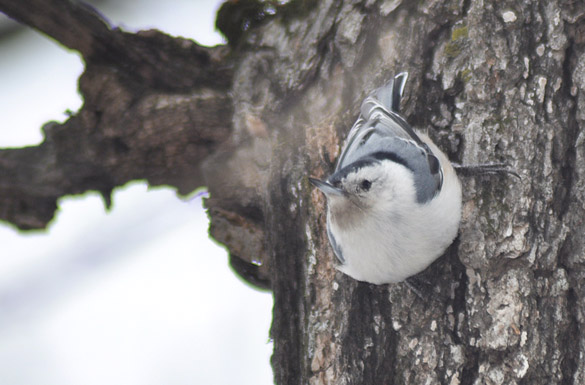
(390, 94)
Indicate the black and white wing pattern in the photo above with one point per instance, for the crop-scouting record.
(381, 133)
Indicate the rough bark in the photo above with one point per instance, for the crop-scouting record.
(154, 108)
(490, 80)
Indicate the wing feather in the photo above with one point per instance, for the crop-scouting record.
(381, 130)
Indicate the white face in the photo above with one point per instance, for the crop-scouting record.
(370, 190)
(365, 185)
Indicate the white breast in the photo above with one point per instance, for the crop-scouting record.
(405, 237)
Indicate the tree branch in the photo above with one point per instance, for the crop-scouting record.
(149, 57)
(154, 108)
(159, 137)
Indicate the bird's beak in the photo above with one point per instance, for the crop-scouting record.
(326, 188)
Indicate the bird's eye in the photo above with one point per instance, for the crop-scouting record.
(365, 185)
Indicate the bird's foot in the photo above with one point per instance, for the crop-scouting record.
(485, 169)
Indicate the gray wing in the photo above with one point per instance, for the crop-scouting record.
(335, 245)
(381, 133)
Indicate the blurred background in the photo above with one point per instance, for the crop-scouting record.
(138, 295)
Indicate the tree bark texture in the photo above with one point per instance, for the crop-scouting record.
(491, 81)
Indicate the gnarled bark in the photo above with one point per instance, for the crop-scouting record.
(154, 108)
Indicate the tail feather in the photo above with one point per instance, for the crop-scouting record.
(397, 90)
(389, 95)
(379, 114)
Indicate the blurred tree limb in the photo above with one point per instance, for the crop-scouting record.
(154, 107)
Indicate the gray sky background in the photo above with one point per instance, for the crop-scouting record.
(139, 295)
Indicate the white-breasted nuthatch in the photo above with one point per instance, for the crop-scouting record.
(394, 200)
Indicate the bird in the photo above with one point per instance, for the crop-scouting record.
(394, 199)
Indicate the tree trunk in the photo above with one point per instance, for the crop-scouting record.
(490, 81)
